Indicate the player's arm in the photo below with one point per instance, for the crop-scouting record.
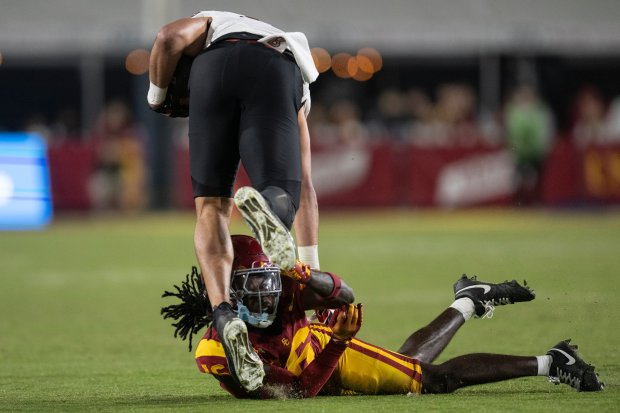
(316, 374)
(326, 290)
(312, 378)
(184, 36)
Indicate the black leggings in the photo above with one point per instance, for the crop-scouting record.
(244, 99)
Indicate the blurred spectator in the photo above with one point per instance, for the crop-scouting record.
(391, 112)
(119, 180)
(417, 107)
(66, 125)
(348, 125)
(529, 131)
(612, 124)
(589, 118)
(613, 121)
(452, 120)
(322, 131)
(341, 124)
(37, 123)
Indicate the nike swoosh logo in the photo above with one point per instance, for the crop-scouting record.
(571, 359)
(485, 287)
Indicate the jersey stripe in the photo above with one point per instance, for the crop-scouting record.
(380, 354)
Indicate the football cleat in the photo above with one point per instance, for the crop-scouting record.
(568, 368)
(274, 237)
(244, 364)
(486, 295)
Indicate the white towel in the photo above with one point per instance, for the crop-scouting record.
(298, 44)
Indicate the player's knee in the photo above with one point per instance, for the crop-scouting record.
(281, 203)
(437, 380)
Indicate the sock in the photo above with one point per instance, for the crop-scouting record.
(465, 306)
(544, 364)
(309, 255)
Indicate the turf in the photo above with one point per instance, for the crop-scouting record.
(81, 331)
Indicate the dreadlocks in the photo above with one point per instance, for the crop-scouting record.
(194, 311)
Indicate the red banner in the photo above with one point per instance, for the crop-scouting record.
(393, 174)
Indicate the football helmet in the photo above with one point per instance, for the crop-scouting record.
(255, 282)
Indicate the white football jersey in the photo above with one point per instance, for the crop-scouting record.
(224, 22)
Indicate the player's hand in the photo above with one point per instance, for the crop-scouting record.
(176, 102)
(348, 322)
(300, 272)
(172, 107)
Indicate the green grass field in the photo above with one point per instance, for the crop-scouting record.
(80, 328)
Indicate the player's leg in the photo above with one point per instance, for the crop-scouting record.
(472, 298)
(306, 222)
(214, 158)
(561, 364)
(270, 149)
(427, 343)
(475, 369)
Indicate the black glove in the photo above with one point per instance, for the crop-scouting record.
(176, 103)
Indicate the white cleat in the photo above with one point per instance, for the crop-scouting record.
(274, 237)
(247, 366)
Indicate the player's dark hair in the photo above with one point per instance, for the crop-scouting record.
(194, 311)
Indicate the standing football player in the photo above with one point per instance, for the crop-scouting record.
(248, 100)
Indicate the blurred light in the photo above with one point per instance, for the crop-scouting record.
(364, 64)
(363, 68)
(362, 76)
(373, 55)
(322, 59)
(25, 193)
(0, 59)
(137, 61)
(352, 67)
(340, 65)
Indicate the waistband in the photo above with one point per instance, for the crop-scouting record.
(238, 36)
(247, 38)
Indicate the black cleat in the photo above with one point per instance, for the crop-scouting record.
(486, 295)
(244, 364)
(568, 368)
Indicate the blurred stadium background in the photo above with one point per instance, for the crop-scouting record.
(422, 103)
(465, 136)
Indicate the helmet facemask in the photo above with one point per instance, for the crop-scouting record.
(257, 293)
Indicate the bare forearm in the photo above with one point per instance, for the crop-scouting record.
(179, 37)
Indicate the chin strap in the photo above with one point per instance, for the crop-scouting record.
(244, 314)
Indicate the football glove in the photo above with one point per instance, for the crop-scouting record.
(348, 321)
(300, 272)
(176, 103)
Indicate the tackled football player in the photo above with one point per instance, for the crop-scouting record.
(303, 359)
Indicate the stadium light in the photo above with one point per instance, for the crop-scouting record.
(373, 56)
(137, 61)
(322, 59)
(340, 65)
